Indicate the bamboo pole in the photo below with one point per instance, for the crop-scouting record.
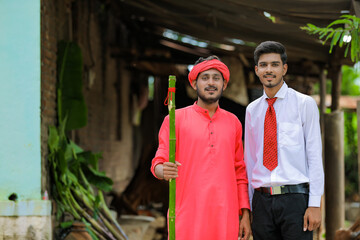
(172, 142)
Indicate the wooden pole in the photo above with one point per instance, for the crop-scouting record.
(322, 108)
(336, 88)
(334, 173)
(172, 144)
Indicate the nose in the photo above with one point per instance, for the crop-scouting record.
(211, 81)
(268, 69)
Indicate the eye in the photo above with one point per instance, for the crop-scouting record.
(204, 77)
(275, 64)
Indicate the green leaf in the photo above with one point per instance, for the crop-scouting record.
(97, 178)
(322, 35)
(53, 139)
(91, 158)
(341, 42)
(346, 50)
(340, 21)
(329, 36)
(76, 147)
(353, 47)
(334, 40)
(71, 100)
(66, 224)
(62, 163)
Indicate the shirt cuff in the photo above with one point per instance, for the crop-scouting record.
(314, 201)
(243, 196)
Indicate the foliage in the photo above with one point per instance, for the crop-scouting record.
(71, 101)
(350, 81)
(78, 184)
(338, 34)
(351, 152)
(75, 176)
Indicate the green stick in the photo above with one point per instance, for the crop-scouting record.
(172, 141)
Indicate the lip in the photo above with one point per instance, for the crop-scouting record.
(269, 78)
(210, 90)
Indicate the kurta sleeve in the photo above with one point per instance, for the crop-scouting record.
(240, 169)
(162, 153)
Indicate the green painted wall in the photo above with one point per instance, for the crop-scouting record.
(20, 158)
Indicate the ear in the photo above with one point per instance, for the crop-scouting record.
(225, 84)
(256, 70)
(285, 68)
(193, 84)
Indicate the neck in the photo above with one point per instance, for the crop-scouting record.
(211, 107)
(271, 92)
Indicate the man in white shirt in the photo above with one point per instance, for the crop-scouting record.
(283, 153)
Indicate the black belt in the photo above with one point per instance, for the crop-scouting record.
(298, 188)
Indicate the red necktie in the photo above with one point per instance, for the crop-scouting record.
(270, 159)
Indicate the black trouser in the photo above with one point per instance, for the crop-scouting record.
(279, 217)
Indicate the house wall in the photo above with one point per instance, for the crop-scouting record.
(23, 215)
(106, 84)
(20, 100)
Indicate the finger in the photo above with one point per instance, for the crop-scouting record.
(170, 164)
(170, 168)
(310, 227)
(246, 235)
(241, 229)
(305, 222)
(170, 175)
(177, 163)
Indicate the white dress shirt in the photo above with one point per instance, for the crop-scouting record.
(298, 139)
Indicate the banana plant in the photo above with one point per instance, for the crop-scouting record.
(77, 183)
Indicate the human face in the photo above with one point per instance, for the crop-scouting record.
(270, 70)
(209, 86)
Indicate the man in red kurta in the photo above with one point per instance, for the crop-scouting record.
(211, 182)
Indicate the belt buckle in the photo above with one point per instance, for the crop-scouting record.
(275, 190)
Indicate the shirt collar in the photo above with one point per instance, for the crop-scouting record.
(203, 110)
(281, 93)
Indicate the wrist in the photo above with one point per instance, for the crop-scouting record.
(159, 171)
(245, 212)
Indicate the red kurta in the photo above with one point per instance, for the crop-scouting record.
(212, 184)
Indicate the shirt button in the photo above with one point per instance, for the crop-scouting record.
(205, 111)
(211, 133)
(212, 145)
(210, 121)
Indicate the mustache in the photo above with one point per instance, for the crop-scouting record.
(270, 75)
(210, 88)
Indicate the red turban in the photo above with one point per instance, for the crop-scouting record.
(209, 64)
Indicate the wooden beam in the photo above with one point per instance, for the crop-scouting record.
(355, 7)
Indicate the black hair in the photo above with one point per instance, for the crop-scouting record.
(201, 59)
(270, 47)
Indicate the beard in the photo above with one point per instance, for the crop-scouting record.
(209, 100)
(274, 83)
